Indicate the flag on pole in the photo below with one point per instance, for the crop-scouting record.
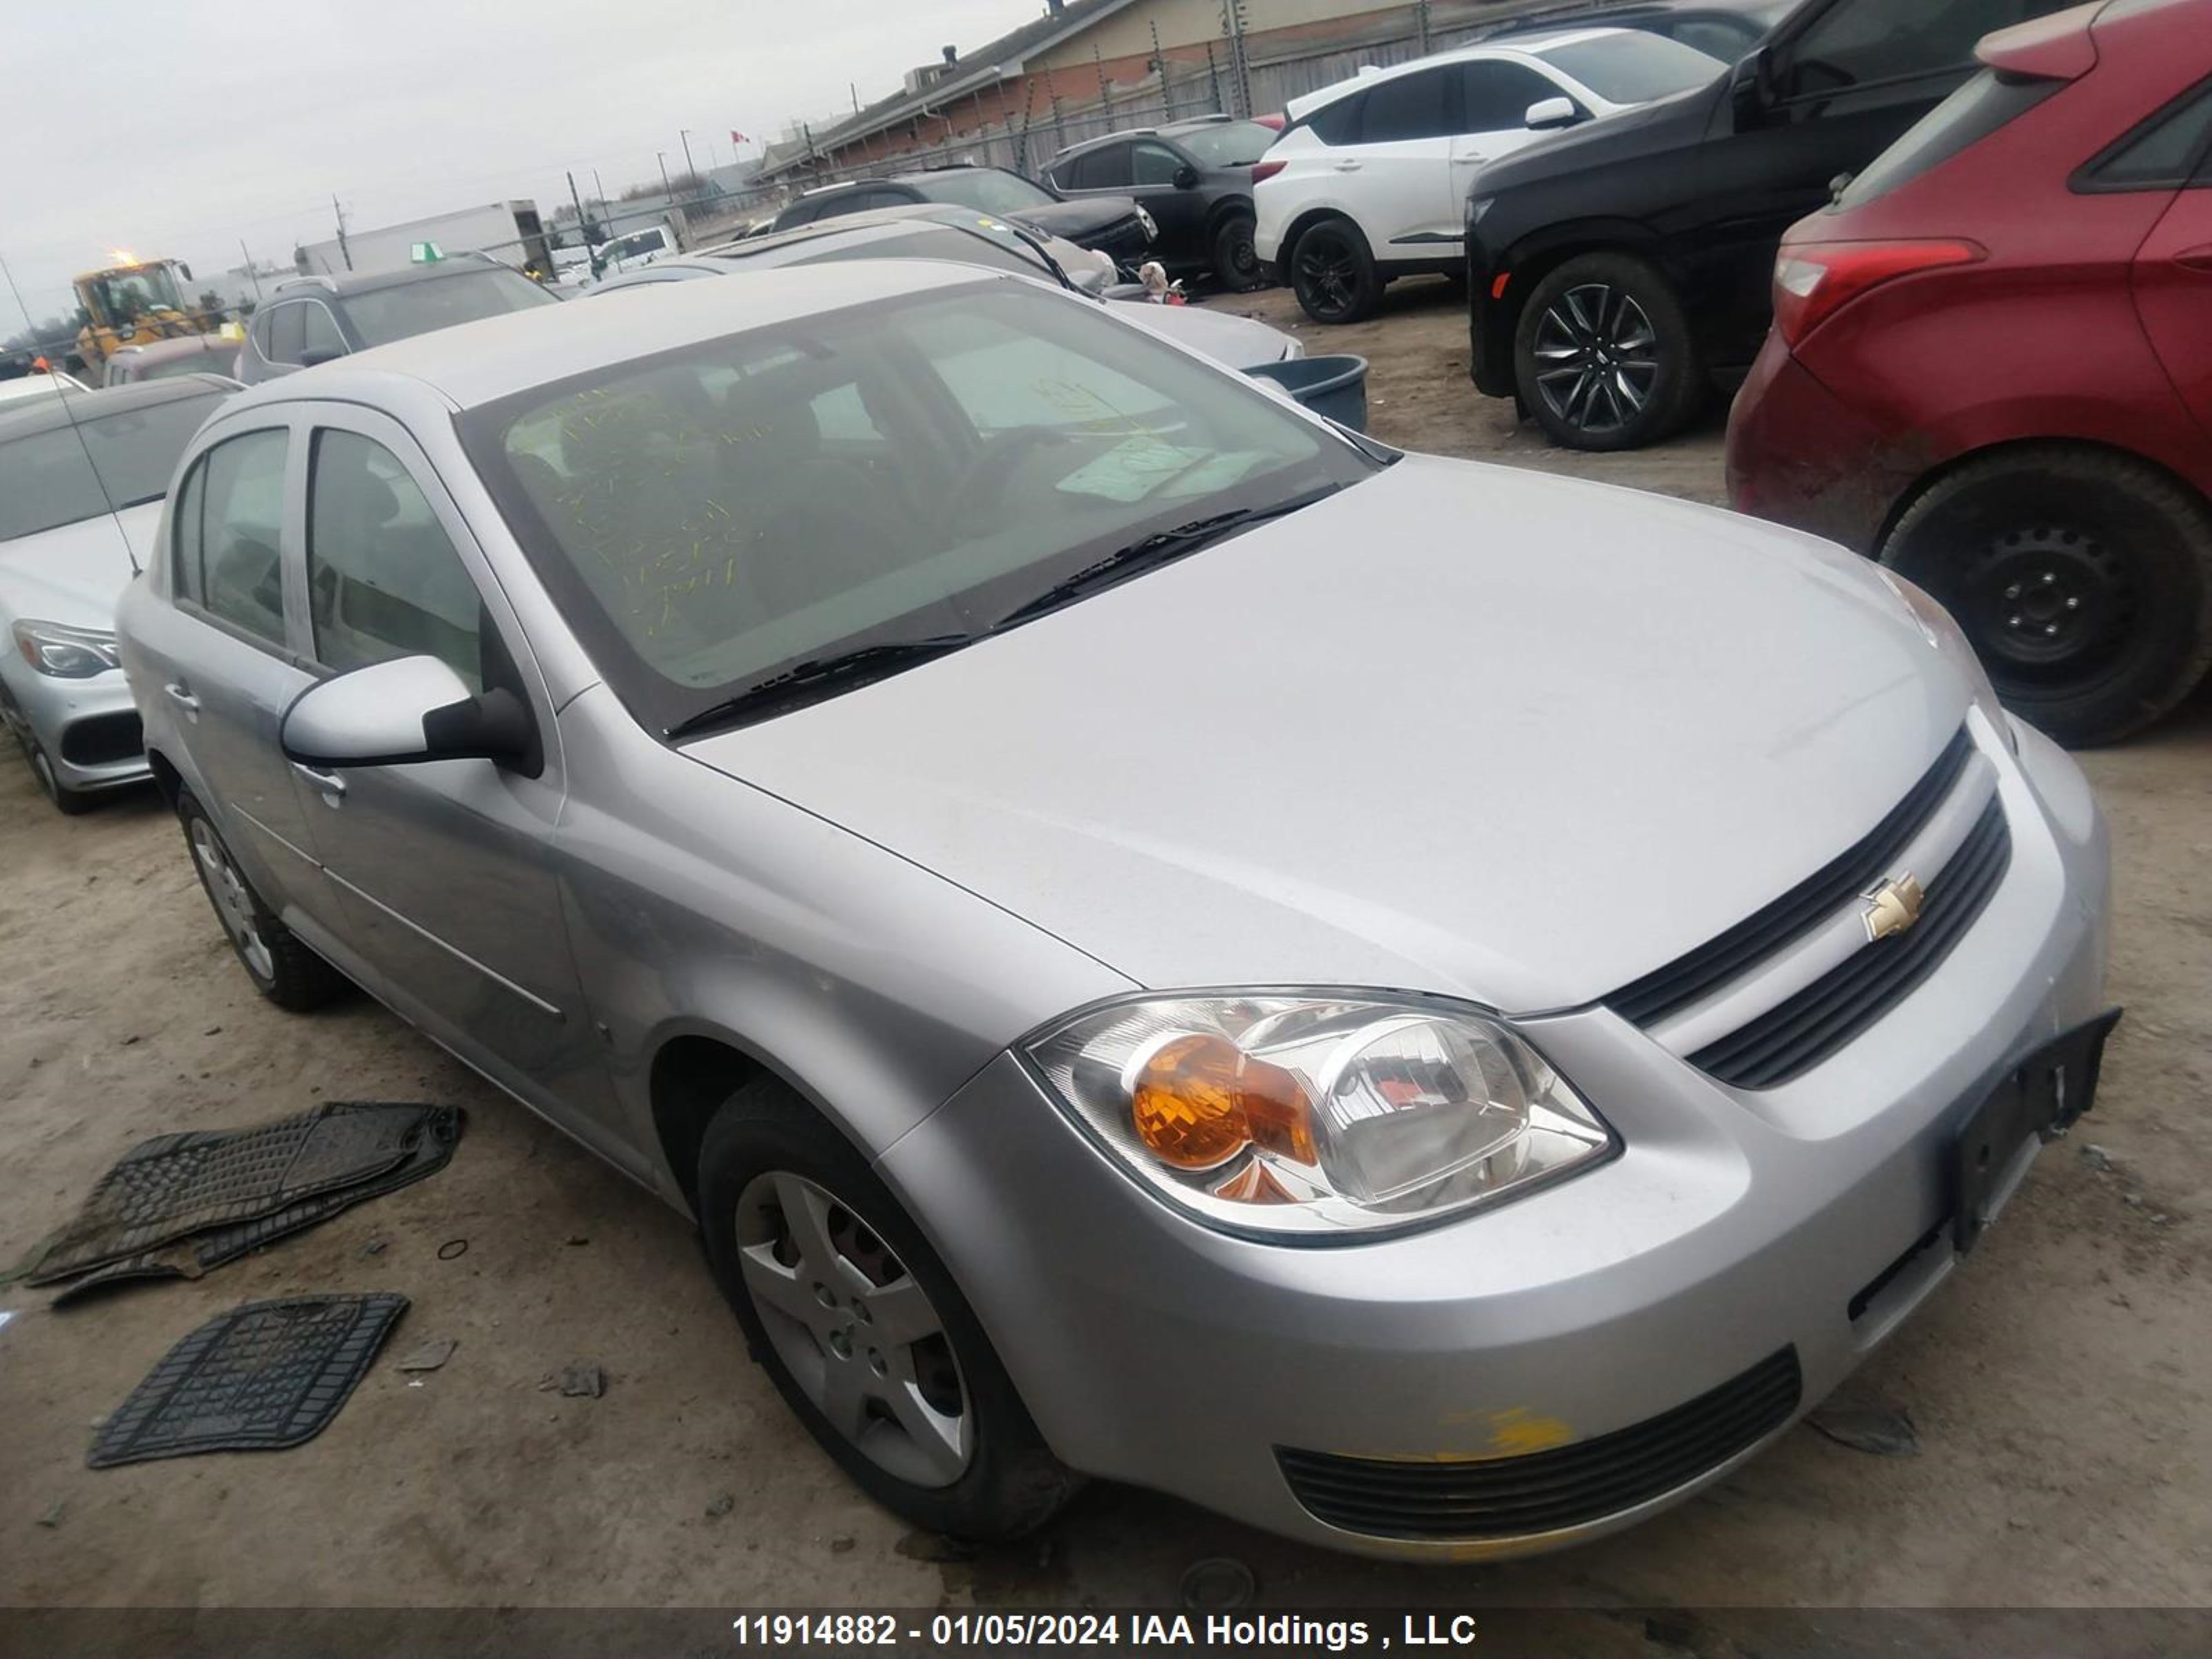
(737, 138)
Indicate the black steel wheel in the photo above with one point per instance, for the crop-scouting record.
(1333, 273)
(2082, 578)
(1236, 262)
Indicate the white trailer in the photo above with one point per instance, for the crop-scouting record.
(509, 230)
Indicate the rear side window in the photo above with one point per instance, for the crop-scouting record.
(1976, 109)
(1105, 168)
(1410, 107)
(237, 575)
(1864, 42)
(2169, 151)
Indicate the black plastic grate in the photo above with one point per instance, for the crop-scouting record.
(1798, 1034)
(1729, 956)
(103, 739)
(1547, 1491)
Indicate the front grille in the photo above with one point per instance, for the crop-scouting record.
(1731, 955)
(103, 739)
(1547, 1490)
(1798, 1034)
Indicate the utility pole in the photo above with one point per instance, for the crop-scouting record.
(342, 249)
(684, 136)
(666, 189)
(252, 275)
(1240, 70)
(1421, 24)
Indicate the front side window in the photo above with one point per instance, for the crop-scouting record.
(383, 577)
(1495, 96)
(63, 474)
(1156, 164)
(922, 467)
(282, 331)
(238, 533)
(382, 315)
(1409, 107)
(1864, 42)
(321, 340)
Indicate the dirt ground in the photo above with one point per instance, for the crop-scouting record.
(2059, 1384)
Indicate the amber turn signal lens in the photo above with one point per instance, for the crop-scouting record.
(1200, 1100)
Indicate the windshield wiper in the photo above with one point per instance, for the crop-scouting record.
(842, 671)
(1158, 547)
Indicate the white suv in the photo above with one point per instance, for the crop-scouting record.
(1370, 180)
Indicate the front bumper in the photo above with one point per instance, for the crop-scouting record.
(88, 728)
(1733, 1228)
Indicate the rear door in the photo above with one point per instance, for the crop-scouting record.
(446, 868)
(230, 666)
(1396, 174)
(2173, 275)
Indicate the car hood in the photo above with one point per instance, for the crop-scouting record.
(1239, 342)
(1458, 728)
(1085, 216)
(1677, 122)
(74, 574)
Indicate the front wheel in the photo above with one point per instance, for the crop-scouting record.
(1333, 273)
(277, 961)
(862, 1328)
(1603, 355)
(65, 800)
(2083, 579)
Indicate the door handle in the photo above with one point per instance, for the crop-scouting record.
(330, 784)
(1469, 160)
(1347, 165)
(2198, 259)
(184, 699)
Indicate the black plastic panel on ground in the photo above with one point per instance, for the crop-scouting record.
(1547, 1491)
(1734, 953)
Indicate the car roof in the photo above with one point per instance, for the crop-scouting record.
(1519, 46)
(479, 362)
(41, 414)
(453, 265)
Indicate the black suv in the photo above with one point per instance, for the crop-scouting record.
(313, 319)
(1615, 269)
(1115, 225)
(1194, 177)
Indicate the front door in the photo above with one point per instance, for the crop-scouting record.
(445, 868)
(1495, 96)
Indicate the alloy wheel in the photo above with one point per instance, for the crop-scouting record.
(234, 900)
(2047, 602)
(854, 1328)
(1327, 271)
(1597, 357)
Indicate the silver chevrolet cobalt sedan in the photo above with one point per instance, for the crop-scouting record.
(1430, 1008)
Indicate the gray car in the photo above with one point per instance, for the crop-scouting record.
(1431, 1008)
(82, 476)
(309, 320)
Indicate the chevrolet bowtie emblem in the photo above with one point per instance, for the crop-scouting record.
(1894, 906)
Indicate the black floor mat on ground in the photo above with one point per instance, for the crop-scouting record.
(188, 1258)
(258, 1378)
(165, 1190)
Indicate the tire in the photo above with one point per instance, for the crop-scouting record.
(2083, 580)
(280, 965)
(1604, 357)
(767, 1155)
(1235, 261)
(69, 803)
(1331, 271)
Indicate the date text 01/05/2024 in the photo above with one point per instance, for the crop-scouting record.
(1102, 1629)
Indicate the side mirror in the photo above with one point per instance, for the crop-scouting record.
(1550, 114)
(1186, 178)
(184, 271)
(1751, 87)
(403, 712)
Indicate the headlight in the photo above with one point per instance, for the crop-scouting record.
(1938, 628)
(1151, 229)
(67, 653)
(1306, 1115)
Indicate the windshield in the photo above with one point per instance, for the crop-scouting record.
(986, 188)
(385, 314)
(46, 481)
(122, 296)
(1631, 67)
(1228, 143)
(711, 518)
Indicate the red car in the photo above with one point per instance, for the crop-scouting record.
(1991, 365)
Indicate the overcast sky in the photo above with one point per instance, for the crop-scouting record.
(178, 130)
